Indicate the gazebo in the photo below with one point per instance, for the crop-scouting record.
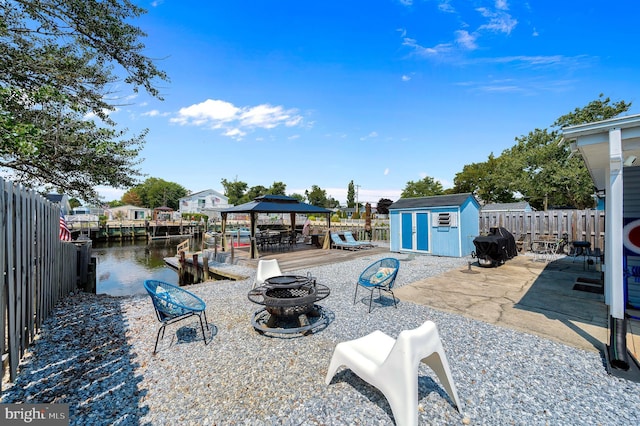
(270, 204)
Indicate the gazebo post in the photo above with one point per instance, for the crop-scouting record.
(223, 229)
(253, 249)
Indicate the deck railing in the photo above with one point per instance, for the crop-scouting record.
(37, 269)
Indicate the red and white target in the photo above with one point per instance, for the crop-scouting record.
(631, 234)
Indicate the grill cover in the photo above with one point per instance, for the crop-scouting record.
(497, 247)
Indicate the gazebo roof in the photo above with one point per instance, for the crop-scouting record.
(276, 204)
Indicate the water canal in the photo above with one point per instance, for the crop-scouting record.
(123, 266)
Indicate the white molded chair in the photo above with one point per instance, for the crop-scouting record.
(392, 366)
(266, 270)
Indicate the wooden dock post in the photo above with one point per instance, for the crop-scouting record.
(205, 268)
(181, 268)
(196, 269)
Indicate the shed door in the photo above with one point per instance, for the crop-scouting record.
(422, 231)
(407, 231)
(415, 231)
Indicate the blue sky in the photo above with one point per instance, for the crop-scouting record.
(380, 92)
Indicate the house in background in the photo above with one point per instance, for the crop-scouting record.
(128, 212)
(208, 202)
(62, 200)
(442, 225)
(520, 206)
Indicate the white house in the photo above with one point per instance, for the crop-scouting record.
(208, 202)
(129, 212)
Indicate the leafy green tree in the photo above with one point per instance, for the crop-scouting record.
(489, 181)
(298, 197)
(541, 167)
(351, 195)
(383, 205)
(235, 191)
(59, 60)
(422, 188)
(155, 192)
(254, 192)
(74, 202)
(317, 196)
(332, 203)
(277, 188)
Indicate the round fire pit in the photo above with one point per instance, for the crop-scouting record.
(289, 304)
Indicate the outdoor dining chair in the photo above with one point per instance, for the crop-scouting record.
(173, 304)
(381, 276)
(391, 365)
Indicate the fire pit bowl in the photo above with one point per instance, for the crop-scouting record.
(289, 304)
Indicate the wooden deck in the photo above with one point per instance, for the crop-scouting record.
(304, 256)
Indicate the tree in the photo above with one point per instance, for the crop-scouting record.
(383, 205)
(155, 192)
(422, 188)
(351, 195)
(235, 191)
(489, 181)
(57, 68)
(131, 197)
(277, 188)
(317, 196)
(542, 169)
(74, 202)
(254, 192)
(298, 197)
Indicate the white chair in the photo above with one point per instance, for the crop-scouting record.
(266, 270)
(392, 366)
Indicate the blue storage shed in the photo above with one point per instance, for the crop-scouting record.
(442, 225)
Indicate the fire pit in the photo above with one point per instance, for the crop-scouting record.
(289, 305)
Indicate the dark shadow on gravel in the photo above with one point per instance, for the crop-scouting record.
(426, 385)
(82, 358)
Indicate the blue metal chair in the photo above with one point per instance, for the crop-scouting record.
(172, 304)
(380, 275)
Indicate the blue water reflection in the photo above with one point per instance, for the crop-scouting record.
(123, 266)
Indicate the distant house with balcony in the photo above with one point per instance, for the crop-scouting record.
(208, 202)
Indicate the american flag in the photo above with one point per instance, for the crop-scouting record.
(65, 234)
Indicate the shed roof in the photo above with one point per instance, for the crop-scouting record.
(519, 206)
(452, 200)
(276, 204)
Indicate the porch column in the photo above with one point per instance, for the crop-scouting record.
(614, 282)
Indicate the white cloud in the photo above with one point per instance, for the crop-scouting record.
(406, 78)
(499, 21)
(236, 121)
(466, 40)
(386, 171)
(369, 136)
(152, 113)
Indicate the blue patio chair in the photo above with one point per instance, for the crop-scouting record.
(380, 275)
(172, 304)
(338, 243)
(348, 236)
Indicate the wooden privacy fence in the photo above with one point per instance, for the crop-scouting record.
(37, 269)
(580, 225)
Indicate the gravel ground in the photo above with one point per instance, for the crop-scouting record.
(95, 353)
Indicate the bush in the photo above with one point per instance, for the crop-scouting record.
(335, 218)
(356, 215)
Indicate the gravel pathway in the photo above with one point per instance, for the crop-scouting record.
(95, 354)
